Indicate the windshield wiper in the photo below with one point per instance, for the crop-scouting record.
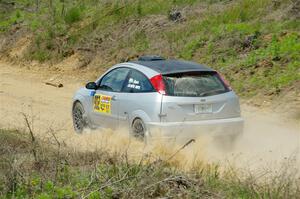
(211, 91)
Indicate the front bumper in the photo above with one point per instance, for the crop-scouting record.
(194, 129)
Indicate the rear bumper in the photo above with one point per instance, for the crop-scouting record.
(194, 129)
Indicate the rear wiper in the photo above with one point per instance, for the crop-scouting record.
(211, 91)
(185, 93)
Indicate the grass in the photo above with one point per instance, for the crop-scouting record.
(235, 37)
(35, 168)
(73, 15)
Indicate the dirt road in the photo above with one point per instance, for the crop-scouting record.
(268, 138)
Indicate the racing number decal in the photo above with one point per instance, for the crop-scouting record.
(102, 104)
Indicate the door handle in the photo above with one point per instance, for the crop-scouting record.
(114, 98)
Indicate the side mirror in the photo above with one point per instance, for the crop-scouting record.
(91, 86)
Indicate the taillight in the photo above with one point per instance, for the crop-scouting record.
(158, 83)
(224, 81)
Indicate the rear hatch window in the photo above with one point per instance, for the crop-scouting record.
(194, 84)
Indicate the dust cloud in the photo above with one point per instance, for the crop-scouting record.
(137, 151)
(268, 142)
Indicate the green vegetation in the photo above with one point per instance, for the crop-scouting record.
(255, 43)
(33, 168)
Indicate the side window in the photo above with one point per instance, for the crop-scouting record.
(137, 83)
(114, 80)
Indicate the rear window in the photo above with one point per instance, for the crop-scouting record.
(195, 84)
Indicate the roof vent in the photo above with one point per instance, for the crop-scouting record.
(151, 58)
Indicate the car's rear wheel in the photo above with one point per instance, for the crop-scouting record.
(79, 121)
(138, 129)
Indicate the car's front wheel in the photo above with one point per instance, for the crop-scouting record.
(79, 121)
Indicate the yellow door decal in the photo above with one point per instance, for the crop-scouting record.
(102, 103)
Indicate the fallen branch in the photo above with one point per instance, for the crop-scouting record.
(160, 160)
(59, 85)
(33, 140)
(185, 145)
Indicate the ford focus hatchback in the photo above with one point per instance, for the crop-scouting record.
(153, 95)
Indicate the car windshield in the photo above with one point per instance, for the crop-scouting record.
(194, 84)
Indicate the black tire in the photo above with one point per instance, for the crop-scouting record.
(79, 121)
(139, 130)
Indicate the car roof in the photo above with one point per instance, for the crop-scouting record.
(172, 66)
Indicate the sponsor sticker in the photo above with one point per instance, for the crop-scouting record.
(102, 104)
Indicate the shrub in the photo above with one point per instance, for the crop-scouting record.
(73, 15)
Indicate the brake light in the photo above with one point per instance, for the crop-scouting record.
(224, 81)
(158, 83)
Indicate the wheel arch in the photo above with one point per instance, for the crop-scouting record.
(139, 114)
(74, 102)
(79, 98)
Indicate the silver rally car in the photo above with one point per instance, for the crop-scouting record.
(154, 95)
